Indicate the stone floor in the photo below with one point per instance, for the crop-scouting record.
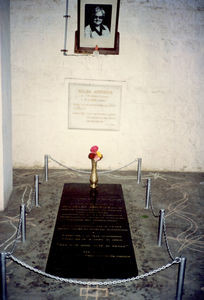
(180, 194)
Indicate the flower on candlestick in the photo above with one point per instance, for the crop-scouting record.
(91, 155)
(94, 149)
(95, 154)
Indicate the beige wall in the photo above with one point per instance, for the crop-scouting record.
(5, 107)
(161, 67)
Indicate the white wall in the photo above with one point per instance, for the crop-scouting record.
(160, 63)
(5, 106)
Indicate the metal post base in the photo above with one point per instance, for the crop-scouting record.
(3, 286)
(36, 179)
(180, 278)
(23, 222)
(148, 193)
(139, 166)
(46, 167)
(161, 226)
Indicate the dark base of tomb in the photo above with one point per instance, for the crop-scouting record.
(92, 237)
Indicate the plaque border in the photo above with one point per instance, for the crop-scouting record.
(97, 83)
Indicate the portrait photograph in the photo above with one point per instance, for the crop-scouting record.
(97, 21)
(97, 24)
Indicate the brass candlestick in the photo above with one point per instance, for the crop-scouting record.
(94, 176)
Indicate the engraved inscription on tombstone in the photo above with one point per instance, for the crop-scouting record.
(92, 237)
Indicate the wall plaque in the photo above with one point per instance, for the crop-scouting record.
(94, 106)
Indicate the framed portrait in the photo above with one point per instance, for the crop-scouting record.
(97, 26)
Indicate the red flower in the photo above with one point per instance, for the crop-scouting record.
(94, 149)
(91, 155)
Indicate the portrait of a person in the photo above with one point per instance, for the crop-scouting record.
(96, 27)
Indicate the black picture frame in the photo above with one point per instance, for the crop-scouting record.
(97, 26)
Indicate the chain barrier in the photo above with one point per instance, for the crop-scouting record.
(164, 227)
(88, 172)
(166, 240)
(91, 283)
(151, 205)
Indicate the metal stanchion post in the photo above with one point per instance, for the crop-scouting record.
(161, 225)
(23, 222)
(3, 286)
(148, 193)
(46, 167)
(139, 165)
(36, 190)
(180, 278)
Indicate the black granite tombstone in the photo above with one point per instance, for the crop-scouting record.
(92, 237)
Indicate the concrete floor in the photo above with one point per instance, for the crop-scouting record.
(180, 194)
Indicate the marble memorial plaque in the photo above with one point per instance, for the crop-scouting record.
(93, 106)
(92, 237)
